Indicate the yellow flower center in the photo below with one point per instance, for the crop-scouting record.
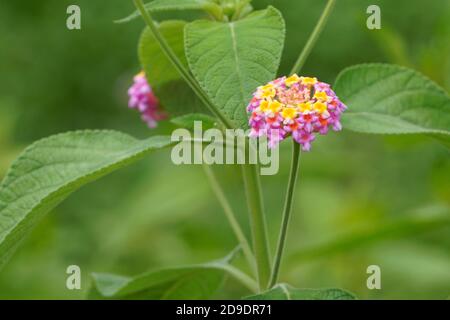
(274, 106)
(292, 80)
(305, 107)
(289, 113)
(309, 81)
(264, 106)
(268, 91)
(321, 95)
(320, 107)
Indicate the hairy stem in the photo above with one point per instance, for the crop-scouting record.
(257, 223)
(313, 37)
(253, 188)
(179, 66)
(286, 212)
(220, 195)
(296, 147)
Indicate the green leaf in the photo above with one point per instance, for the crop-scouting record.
(156, 65)
(173, 92)
(190, 282)
(388, 99)
(177, 283)
(286, 292)
(187, 121)
(52, 168)
(172, 5)
(230, 60)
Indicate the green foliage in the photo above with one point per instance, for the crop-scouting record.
(52, 168)
(198, 282)
(342, 197)
(190, 282)
(286, 292)
(230, 60)
(174, 93)
(154, 62)
(401, 228)
(171, 5)
(187, 121)
(388, 99)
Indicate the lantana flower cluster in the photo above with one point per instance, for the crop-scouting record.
(142, 98)
(301, 107)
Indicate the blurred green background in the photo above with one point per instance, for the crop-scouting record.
(361, 200)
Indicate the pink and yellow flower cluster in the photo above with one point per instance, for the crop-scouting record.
(142, 98)
(295, 106)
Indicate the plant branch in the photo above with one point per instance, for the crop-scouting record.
(313, 37)
(296, 147)
(241, 277)
(186, 75)
(251, 178)
(220, 195)
(286, 212)
(257, 223)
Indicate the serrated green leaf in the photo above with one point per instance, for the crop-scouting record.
(388, 99)
(171, 5)
(230, 60)
(52, 168)
(173, 92)
(190, 282)
(187, 121)
(286, 292)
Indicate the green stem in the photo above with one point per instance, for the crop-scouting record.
(296, 147)
(252, 179)
(186, 75)
(241, 277)
(257, 223)
(214, 10)
(313, 37)
(286, 212)
(230, 215)
(239, 7)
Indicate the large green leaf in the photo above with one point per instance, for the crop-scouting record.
(190, 282)
(171, 5)
(388, 99)
(230, 60)
(286, 292)
(52, 168)
(174, 93)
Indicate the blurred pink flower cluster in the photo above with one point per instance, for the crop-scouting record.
(142, 98)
